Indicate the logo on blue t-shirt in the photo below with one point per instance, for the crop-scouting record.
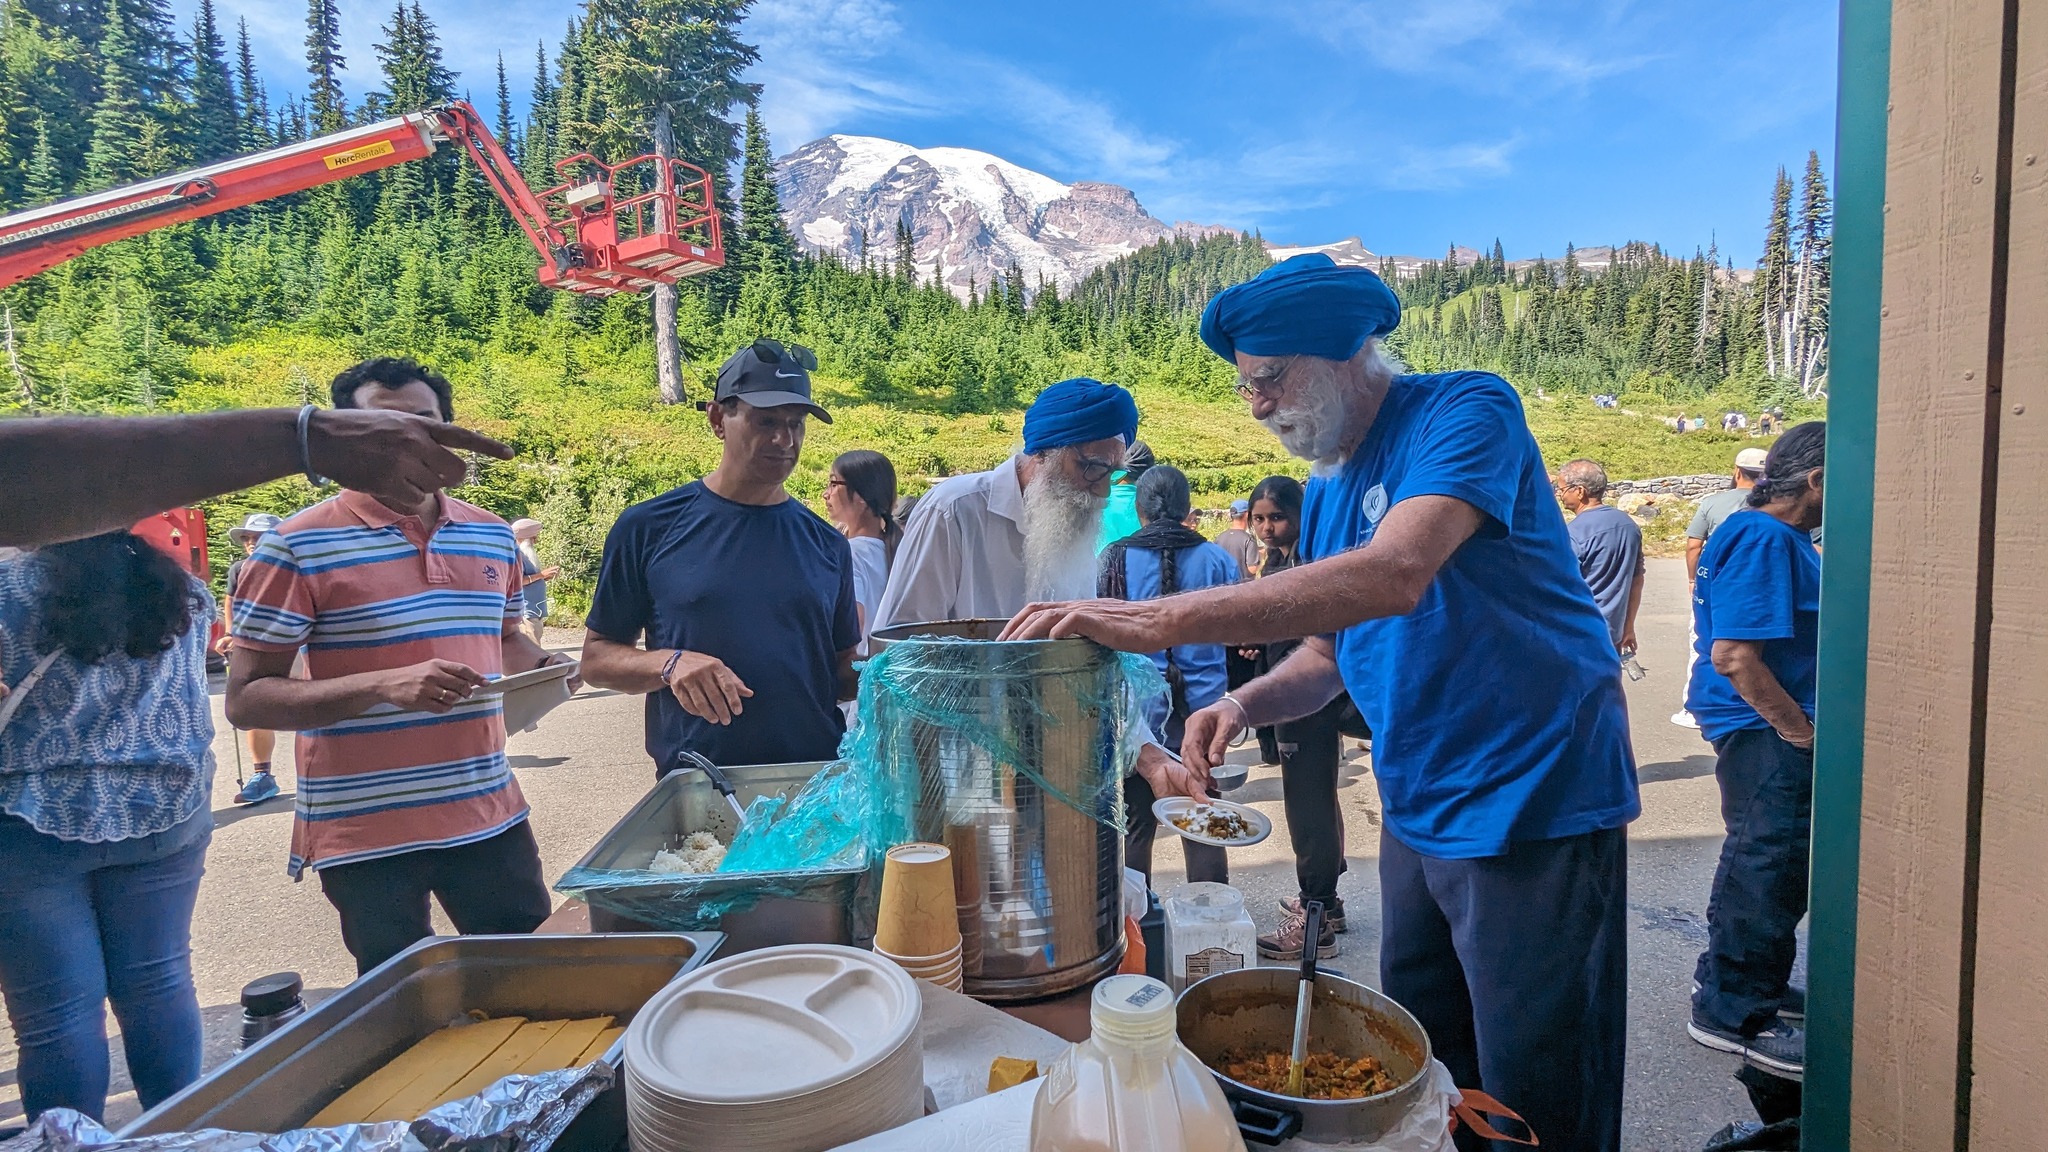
(1374, 505)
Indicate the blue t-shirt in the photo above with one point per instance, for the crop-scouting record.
(1759, 579)
(1496, 706)
(1610, 551)
(767, 589)
(1204, 678)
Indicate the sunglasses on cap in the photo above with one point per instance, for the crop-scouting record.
(776, 352)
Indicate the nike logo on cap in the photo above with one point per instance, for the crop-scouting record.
(781, 375)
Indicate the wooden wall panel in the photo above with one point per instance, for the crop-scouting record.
(1935, 335)
(2010, 1057)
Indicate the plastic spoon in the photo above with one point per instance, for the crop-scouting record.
(689, 759)
(1311, 936)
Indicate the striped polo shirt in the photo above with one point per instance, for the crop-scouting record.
(364, 589)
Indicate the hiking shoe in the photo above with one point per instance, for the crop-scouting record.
(1779, 1049)
(261, 786)
(1286, 944)
(1684, 719)
(1333, 914)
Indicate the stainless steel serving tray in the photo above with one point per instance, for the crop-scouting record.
(281, 1082)
(813, 907)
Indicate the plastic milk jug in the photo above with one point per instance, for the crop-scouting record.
(1207, 931)
(1132, 1086)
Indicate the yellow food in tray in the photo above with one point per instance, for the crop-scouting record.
(464, 1059)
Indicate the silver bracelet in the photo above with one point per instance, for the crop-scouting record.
(1244, 716)
(305, 450)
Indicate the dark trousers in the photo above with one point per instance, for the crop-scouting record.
(1238, 672)
(491, 886)
(1310, 761)
(1205, 861)
(1517, 967)
(1760, 885)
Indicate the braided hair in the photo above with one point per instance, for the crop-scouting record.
(1797, 455)
(871, 477)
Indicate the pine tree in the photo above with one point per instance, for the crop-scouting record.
(906, 254)
(764, 239)
(670, 71)
(506, 139)
(256, 129)
(1774, 277)
(1810, 297)
(537, 147)
(327, 106)
(43, 183)
(119, 122)
(1500, 262)
(215, 123)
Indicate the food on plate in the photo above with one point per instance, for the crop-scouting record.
(462, 1060)
(700, 852)
(1215, 823)
(1325, 1075)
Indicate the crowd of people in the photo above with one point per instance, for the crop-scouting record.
(1390, 598)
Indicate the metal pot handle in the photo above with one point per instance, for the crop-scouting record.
(1262, 1125)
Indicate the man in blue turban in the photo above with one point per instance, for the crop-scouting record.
(986, 544)
(1436, 584)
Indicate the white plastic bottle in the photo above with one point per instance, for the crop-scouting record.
(1208, 931)
(1132, 1086)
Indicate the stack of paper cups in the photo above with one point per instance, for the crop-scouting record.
(918, 925)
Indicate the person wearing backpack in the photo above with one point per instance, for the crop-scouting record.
(1161, 558)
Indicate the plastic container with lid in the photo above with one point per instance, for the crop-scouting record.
(1132, 1086)
(1208, 931)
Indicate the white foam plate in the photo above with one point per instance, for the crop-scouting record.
(527, 679)
(1169, 807)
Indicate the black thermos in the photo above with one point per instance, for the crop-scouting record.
(269, 1004)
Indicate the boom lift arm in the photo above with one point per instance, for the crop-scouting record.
(590, 239)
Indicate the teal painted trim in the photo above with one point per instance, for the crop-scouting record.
(1865, 89)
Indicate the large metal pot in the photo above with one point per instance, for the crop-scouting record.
(1039, 882)
(1254, 1008)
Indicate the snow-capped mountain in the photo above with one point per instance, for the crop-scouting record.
(972, 214)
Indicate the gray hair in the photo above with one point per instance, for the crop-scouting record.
(1585, 475)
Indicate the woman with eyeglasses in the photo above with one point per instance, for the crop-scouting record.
(860, 498)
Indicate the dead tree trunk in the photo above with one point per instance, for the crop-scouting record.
(668, 350)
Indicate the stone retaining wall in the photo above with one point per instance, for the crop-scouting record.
(1689, 487)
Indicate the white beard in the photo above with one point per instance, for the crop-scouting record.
(1061, 525)
(1312, 428)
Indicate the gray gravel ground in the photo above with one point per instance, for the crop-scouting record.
(584, 767)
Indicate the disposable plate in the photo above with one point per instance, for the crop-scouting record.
(1169, 807)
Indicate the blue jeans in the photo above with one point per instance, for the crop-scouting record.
(1759, 890)
(82, 924)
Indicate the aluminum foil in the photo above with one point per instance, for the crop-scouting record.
(517, 1114)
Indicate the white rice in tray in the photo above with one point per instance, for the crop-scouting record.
(701, 852)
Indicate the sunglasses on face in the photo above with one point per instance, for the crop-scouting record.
(1093, 470)
(776, 352)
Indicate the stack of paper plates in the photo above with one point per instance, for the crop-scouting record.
(793, 1049)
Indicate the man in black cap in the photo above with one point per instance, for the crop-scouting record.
(744, 596)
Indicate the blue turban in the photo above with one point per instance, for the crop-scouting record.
(1079, 411)
(1305, 306)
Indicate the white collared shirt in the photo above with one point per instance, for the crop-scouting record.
(962, 555)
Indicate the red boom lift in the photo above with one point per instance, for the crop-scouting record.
(590, 238)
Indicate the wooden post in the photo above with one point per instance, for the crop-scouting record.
(1930, 563)
(2009, 1065)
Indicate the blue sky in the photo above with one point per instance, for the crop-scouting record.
(1407, 123)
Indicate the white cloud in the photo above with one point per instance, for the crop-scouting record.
(1445, 167)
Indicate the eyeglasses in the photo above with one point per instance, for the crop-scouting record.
(1250, 388)
(776, 352)
(835, 482)
(1093, 470)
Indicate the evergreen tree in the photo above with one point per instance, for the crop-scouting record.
(1774, 276)
(326, 105)
(537, 149)
(503, 127)
(906, 254)
(671, 70)
(256, 131)
(119, 123)
(215, 123)
(764, 240)
(44, 183)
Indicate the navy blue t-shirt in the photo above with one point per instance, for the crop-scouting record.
(1610, 551)
(767, 589)
(1758, 579)
(1496, 706)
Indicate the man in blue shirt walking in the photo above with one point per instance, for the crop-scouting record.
(1441, 590)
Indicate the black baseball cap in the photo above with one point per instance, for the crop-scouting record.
(770, 374)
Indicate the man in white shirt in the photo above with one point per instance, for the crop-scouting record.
(988, 543)
(983, 545)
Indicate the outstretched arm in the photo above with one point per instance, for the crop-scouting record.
(1385, 578)
(71, 477)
